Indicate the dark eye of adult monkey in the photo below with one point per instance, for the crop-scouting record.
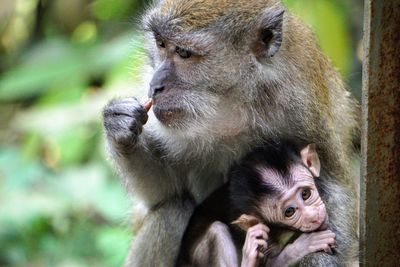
(226, 76)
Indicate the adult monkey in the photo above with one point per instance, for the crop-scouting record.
(228, 75)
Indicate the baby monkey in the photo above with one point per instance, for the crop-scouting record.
(282, 211)
(273, 197)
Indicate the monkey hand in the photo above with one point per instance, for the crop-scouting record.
(124, 120)
(307, 243)
(255, 246)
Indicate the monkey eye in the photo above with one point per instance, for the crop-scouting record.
(289, 212)
(160, 43)
(183, 53)
(305, 194)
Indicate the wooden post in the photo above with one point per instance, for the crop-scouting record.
(380, 142)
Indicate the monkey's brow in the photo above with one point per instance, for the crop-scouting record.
(192, 41)
(278, 179)
(273, 187)
(187, 43)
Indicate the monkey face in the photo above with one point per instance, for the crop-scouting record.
(204, 71)
(300, 207)
(305, 210)
(186, 95)
(294, 200)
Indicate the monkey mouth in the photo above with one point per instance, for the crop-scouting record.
(318, 226)
(168, 116)
(323, 225)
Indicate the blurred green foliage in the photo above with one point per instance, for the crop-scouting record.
(60, 62)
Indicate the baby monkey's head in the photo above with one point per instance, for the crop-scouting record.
(275, 184)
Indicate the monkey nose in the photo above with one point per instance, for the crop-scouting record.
(155, 89)
(312, 216)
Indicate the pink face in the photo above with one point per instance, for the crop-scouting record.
(299, 206)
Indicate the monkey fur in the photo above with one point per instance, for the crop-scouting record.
(227, 75)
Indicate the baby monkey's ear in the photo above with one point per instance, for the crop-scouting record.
(246, 221)
(310, 158)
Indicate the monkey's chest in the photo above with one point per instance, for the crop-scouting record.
(202, 183)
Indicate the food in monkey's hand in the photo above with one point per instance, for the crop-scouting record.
(148, 104)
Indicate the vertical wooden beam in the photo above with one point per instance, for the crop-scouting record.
(380, 169)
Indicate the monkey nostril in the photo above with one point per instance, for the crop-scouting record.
(157, 89)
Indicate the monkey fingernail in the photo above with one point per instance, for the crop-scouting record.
(147, 105)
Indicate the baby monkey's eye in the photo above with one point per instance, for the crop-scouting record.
(289, 212)
(183, 53)
(305, 194)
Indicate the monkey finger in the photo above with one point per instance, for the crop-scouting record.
(324, 243)
(260, 245)
(318, 247)
(324, 232)
(260, 255)
(263, 249)
(254, 250)
(328, 240)
(258, 234)
(322, 235)
(259, 226)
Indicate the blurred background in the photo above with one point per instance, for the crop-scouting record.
(61, 204)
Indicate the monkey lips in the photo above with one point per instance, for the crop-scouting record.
(168, 109)
(169, 116)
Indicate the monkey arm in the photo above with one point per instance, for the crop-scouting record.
(146, 176)
(157, 241)
(133, 148)
(305, 244)
(212, 246)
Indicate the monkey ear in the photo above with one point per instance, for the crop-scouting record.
(310, 158)
(269, 36)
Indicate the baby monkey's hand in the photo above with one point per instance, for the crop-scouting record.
(308, 243)
(255, 246)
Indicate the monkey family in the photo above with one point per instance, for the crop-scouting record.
(273, 189)
(227, 76)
